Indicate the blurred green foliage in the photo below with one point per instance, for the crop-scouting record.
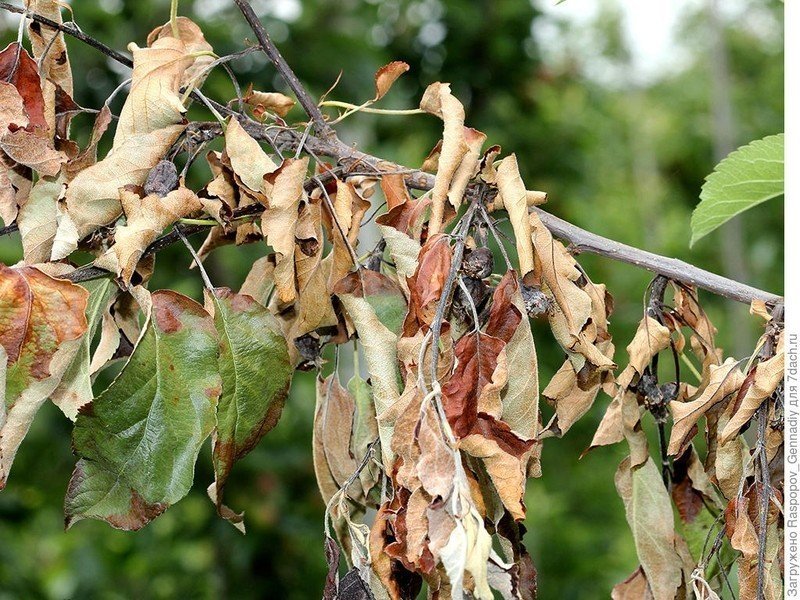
(619, 157)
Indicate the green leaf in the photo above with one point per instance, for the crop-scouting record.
(256, 372)
(746, 177)
(138, 441)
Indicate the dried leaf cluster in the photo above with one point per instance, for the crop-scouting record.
(423, 455)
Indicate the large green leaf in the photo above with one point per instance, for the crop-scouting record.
(138, 441)
(746, 177)
(256, 372)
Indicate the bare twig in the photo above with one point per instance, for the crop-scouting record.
(272, 52)
(74, 32)
(449, 284)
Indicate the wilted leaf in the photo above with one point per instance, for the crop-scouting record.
(138, 441)
(438, 101)
(725, 379)
(256, 373)
(649, 513)
(512, 193)
(268, 101)
(387, 75)
(42, 321)
(146, 218)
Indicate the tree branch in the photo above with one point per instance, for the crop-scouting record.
(331, 146)
(98, 45)
(272, 52)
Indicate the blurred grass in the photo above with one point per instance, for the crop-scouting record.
(622, 159)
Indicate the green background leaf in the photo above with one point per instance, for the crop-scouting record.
(746, 177)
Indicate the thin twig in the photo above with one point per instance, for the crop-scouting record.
(763, 492)
(274, 55)
(98, 45)
(447, 289)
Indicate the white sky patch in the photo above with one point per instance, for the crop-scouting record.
(649, 28)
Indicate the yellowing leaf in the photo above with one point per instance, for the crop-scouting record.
(42, 321)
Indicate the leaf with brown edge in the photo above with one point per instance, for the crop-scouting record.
(256, 372)
(42, 322)
(724, 380)
(386, 76)
(139, 439)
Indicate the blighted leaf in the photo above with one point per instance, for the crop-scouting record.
(383, 295)
(146, 218)
(747, 177)
(512, 192)
(765, 379)
(724, 380)
(438, 101)
(75, 388)
(195, 43)
(273, 102)
(149, 123)
(279, 224)
(50, 49)
(93, 196)
(19, 70)
(42, 320)
(37, 219)
(649, 513)
(387, 75)
(256, 373)
(138, 440)
(247, 160)
(380, 350)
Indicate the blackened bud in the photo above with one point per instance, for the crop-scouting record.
(162, 179)
(478, 264)
(536, 301)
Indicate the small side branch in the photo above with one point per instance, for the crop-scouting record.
(272, 52)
